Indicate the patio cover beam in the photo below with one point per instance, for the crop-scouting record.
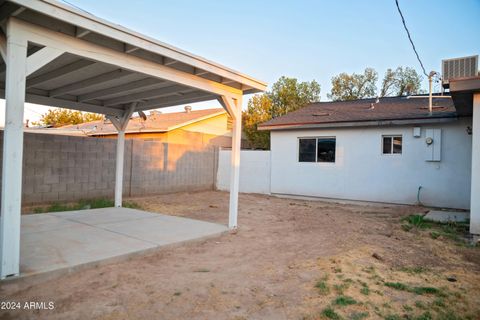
(90, 82)
(149, 82)
(91, 51)
(41, 58)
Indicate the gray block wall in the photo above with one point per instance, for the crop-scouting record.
(64, 168)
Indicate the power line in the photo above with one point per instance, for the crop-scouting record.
(76, 7)
(34, 111)
(410, 38)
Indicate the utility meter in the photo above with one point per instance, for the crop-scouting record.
(429, 140)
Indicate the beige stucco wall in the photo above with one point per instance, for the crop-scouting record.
(213, 131)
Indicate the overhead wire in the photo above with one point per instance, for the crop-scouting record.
(410, 38)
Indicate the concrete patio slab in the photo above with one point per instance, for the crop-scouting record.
(104, 215)
(447, 216)
(68, 240)
(43, 222)
(178, 229)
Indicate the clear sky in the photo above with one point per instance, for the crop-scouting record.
(300, 38)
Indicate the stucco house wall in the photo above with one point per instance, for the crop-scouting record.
(362, 172)
(213, 131)
(254, 171)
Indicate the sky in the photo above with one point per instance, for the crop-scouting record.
(305, 39)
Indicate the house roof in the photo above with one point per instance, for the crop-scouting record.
(462, 91)
(365, 112)
(155, 122)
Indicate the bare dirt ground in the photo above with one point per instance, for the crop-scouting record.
(290, 259)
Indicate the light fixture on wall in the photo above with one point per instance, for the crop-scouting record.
(469, 130)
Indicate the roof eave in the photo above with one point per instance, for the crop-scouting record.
(350, 124)
(183, 124)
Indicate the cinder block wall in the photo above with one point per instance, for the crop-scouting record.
(64, 168)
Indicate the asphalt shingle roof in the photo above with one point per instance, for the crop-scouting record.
(158, 122)
(387, 109)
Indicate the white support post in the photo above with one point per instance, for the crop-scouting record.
(234, 108)
(11, 197)
(120, 125)
(475, 184)
(119, 167)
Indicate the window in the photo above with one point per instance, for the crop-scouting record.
(392, 144)
(307, 150)
(316, 149)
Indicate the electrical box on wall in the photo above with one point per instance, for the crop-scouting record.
(417, 132)
(433, 144)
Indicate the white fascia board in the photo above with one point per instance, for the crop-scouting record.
(162, 130)
(90, 22)
(352, 124)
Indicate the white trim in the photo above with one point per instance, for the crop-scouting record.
(316, 162)
(391, 144)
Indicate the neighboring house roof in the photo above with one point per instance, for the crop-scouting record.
(155, 122)
(365, 112)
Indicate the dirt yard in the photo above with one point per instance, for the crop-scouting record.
(290, 259)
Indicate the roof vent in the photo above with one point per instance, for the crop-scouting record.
(188, 109)
(320, 114)
(459, 68)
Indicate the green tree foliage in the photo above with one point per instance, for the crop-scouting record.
(354, 86)
(259, 110)
(287, 95)
(62, 117)
(402, 81)
(399, 82)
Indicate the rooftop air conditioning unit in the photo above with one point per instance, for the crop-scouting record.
(459, 68)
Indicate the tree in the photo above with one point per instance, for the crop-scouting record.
(401, 82)
(287, 95)
(354, 86)
(259, 110)
(388, 83)
(62, 117)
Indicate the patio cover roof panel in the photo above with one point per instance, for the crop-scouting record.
(63, 18)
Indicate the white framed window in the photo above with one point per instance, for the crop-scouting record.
(317, 149)
(392, 144)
